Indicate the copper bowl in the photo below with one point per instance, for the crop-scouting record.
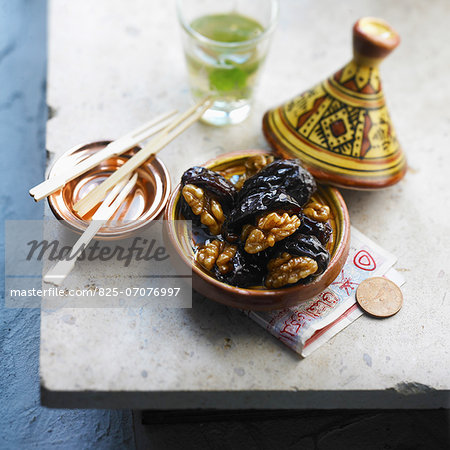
(183, 240)
(144, 203)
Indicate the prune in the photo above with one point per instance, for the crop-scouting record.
(287, 174)
(321, 230)
(304, 245)
(253, 165)
(213, 183)
(247, 270)
(206, 198)
(249, 208)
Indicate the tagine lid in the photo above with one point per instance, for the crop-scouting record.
(341, 128)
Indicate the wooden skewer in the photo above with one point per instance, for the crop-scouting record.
(110, 205)
(115, 148)
(183, 122)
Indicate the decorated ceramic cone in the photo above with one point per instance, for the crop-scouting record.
(341, 128)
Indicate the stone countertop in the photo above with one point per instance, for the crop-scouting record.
(114, 64)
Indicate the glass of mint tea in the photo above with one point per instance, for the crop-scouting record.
(225, 44)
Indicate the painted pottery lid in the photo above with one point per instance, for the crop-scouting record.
(341, 128)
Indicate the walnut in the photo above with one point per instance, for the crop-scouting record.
(195, 198)
(252, 166)
(209, 210)
(207, 254)
(288, 269)
(240, 182)
(223, 262)
(317, 211)
(271, 228)
(255, 163)
(216, 252)
(246, 230)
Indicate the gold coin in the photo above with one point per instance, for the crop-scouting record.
(379, 296)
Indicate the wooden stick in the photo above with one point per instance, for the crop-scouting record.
(115, 148)
(95, 196)
(111, 204)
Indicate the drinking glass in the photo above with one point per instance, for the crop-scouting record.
(225, 44)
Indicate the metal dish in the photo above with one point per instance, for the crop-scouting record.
(144, 203)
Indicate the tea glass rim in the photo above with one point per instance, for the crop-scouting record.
(275, 8)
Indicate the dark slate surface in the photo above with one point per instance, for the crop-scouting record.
(23, 112)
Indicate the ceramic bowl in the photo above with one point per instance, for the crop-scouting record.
(143, 204)
(183, 240)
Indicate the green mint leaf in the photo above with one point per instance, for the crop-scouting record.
(224, 80)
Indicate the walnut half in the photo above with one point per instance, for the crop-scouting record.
(271, 228)
(288, 269)
(223, 261)
(317, 211)
(216, 252)
(207, 254)
(209, 210)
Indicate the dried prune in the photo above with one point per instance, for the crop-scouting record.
(252, 206)
(287, 174)
(212, 183)
(321, 230)
(206, 198)
(246, 270)
(304, 245)
(253, 165)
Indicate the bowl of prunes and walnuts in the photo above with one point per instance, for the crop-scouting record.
(259, 232)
